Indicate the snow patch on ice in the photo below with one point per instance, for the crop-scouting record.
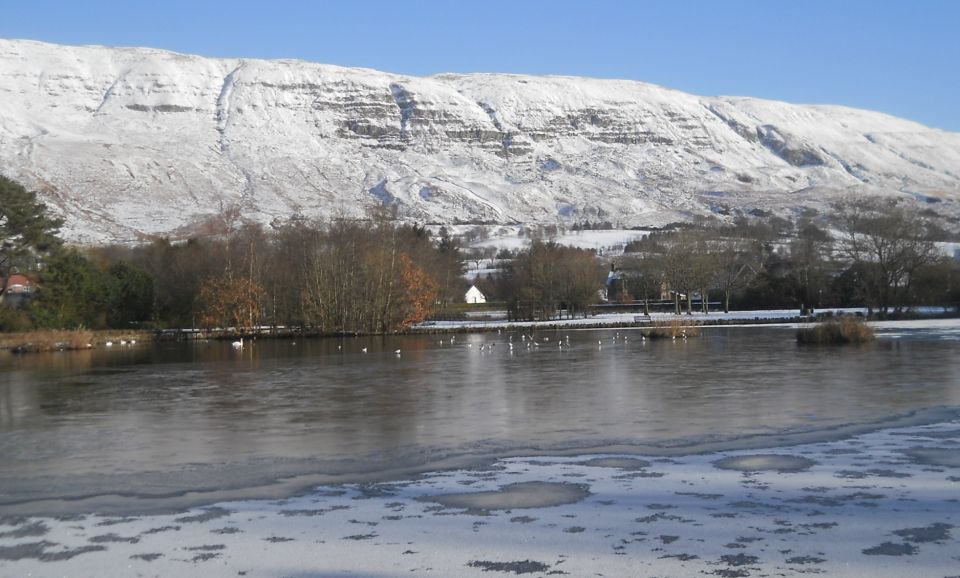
(765, 462)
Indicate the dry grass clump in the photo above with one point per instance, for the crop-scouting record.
(836, 331)
(34, 341)
(673, 329)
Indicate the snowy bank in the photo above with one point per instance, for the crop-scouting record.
(765, 316)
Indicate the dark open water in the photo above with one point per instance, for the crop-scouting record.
(157, 426)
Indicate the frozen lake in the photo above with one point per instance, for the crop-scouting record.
(156, 427)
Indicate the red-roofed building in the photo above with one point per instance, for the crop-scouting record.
(18, 284)
(19, 289)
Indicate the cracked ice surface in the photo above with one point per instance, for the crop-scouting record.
(878, 504)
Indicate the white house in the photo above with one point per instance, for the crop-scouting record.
(474, 295)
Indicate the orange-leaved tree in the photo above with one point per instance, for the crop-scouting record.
(228, 301)
(420, 292)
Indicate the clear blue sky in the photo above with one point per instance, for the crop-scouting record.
(902, 58)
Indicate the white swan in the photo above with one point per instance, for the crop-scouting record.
(237, 344)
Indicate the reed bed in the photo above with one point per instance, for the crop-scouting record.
(53, 340)
(836, 331)
(673, 329)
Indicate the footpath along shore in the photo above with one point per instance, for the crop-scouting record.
(497, 321)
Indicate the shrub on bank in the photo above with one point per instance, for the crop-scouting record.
(836, 331)
(673, 329)
(12, 320)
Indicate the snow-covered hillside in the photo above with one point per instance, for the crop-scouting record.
(134, 142)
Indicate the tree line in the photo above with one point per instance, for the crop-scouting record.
(879, 254)
(547, 278)
(371, 275)
(379, 275)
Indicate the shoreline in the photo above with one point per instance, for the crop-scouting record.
(771, 317)
(761, 317)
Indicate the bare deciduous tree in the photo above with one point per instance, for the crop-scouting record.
(888, 243)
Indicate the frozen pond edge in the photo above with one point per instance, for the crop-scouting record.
(883, 503)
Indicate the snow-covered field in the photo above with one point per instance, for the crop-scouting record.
(876, 504)
(605, 242)
(612, 240)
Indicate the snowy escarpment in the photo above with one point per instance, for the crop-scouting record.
(127, 143)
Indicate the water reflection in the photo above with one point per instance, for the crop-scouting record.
(198, 412)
